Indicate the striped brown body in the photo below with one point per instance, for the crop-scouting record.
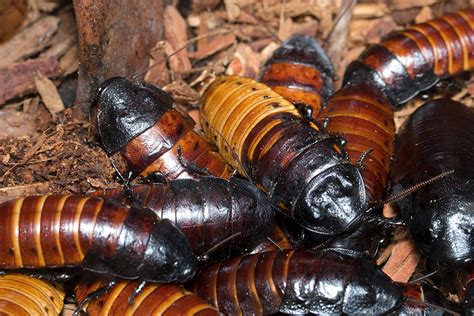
(364, 118)
(208, 211)
(21, 295)
(297, 281)
(303, 169)
(412, 60)
(153, 299)
(301, 72)
(144, 134)
(66, 230)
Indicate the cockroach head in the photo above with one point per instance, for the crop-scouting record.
(126, 108)
(333, 202)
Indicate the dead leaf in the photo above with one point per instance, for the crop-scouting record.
(49, 94)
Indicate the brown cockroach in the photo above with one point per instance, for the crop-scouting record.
(303, 169)
(54, 231)
(153, 299)
(208, 211)
(414, 59)
(144, 134)
(301, 72)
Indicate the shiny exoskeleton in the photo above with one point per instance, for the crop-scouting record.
(297, 281)
(23, 295)
(301, 72)
(51, 231)
(414, 59)
(303, 169)
(437, 138)
(153, 299)
(364, 118)
(145, 135)
(208, 211)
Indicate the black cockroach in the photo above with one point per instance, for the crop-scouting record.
(153, 299)
(303, 169)
(305, 281)
(144, 134)
(301, 72)
(438, 137)
(208, 211)
(54, 231)
(409, 61)
(24, 295)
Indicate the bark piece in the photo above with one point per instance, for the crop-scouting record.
(115, 37)
(14, 192)
(176, 36)
(16, 124)
(29, 41)
(403, 260)
(12, 16)
(18, 79)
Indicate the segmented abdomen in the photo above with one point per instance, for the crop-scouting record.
(207, 211)
(153, 299)
(438, 138)
(296, 281)
(293, 160)
(144, 134)
(412, 60)
(364, 118)
(23, 295)
(301, 72)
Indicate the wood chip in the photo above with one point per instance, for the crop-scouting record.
(217, 43)
(70, 61)
(49, 94)
(246, 62)
(29, 41)
(65, 37)
(18, 79)
(424, 15)
(369, 10)
(286, 29)
(14, 192)
(403, 261)
(176, 37)
(158, 73)
(408, 4)
(233, 10)
(16, 124)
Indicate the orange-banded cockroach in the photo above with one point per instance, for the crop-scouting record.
(145, 134)
(303, 169)
(208, 211)
(153, 299)
(24, 295)
(412, 60)
(301, 72)
(364, 118)
(54, 231)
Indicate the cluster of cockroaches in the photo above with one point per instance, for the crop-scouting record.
(320, 170)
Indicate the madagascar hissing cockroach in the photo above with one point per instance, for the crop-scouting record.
(144, 134)
(53, 231)
(22, 295)
(412, 60)
(438, 137)
(208, 211)
(301, 72)
(297, 281)
(153, 299)
(303, 169)
(363, 116)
